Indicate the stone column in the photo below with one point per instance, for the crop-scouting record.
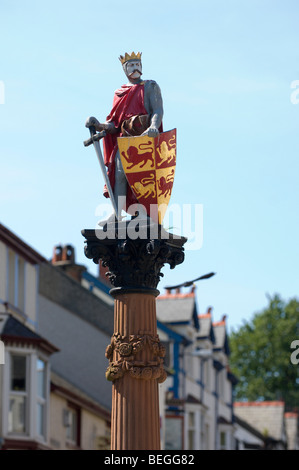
(135, 353)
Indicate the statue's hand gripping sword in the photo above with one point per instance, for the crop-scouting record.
(94, 139)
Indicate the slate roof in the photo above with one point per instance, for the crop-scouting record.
(206, 329)
(265, 416)
(12, 329)
(249, 427)
(177, 309)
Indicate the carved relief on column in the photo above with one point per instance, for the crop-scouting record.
(141, 356)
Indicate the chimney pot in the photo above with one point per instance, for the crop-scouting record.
(57, 254)
(68, 253)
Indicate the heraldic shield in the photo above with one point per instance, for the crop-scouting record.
(149, 165)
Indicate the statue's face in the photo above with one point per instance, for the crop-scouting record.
(133, 69)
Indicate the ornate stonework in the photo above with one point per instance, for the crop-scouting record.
(122, 357)
(134, 264)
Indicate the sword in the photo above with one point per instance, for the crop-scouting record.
(94, 139)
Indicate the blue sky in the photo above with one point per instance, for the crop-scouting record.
(225, 70)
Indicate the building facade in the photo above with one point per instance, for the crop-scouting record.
(25, 374)
(53, 335)
(199, 400)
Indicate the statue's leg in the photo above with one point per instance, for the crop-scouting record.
(120, 186)
(119, 193)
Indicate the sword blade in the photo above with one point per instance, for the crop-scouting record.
(97, 147)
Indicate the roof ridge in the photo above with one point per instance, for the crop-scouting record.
(291, 414)
(176, 296)
(259, 403)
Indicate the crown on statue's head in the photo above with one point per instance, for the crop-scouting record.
(127, 57)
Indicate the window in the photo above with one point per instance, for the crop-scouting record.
(18, 396)
(202, 432)
(223, 440)
(26, 394)
(41, 396)
(72, 423)
(191, 431)
(221, 384)
(16, 280)
(174, 430)
(207, 436)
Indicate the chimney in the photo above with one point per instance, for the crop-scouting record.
(57, 254)
(210, 310)
(68, 254)
(64, 258)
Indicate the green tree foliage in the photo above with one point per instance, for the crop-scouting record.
(261, 354)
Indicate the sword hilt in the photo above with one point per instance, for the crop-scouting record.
(92, 130)
(94, 137)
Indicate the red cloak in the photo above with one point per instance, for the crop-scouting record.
(128, 101)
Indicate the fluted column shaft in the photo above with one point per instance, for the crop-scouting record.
(135, 420)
